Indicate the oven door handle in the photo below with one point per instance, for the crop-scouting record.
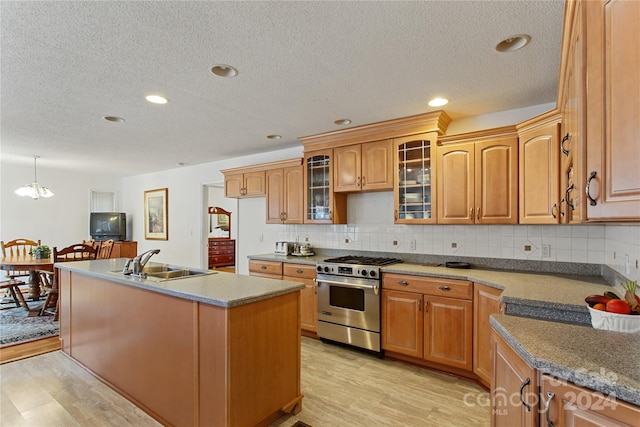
(375, 288)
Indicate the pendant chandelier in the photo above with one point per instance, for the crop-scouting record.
(34, 190)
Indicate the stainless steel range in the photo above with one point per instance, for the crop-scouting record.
(349, 300)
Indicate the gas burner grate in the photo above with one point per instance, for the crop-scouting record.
(363, 260)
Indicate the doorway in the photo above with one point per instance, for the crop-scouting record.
(219, 229)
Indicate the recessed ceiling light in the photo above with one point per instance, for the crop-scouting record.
(343, 122)
(438, 102)
(274, 136)
(224, 70)
(513, 43)
(156, 99)
(114, 119)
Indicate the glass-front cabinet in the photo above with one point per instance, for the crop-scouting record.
(414, 187)
(322, 205)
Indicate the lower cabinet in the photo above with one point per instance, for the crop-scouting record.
(304, 273)
(514, 400)
(565, 404)
(486, 301)
(429, 319)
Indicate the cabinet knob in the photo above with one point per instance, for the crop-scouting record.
(554, 210)
(299, 271)
(478, 214)
(263, 267)
(444, 288)
(403, 283)
(566, 196)
(363, 181)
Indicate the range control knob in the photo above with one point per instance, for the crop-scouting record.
(326, 269)
(319, 269)
(363, 272)
(372, 273)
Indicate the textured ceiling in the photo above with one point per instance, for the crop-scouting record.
(65, 65)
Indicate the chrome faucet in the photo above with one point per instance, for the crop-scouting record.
(138, 263)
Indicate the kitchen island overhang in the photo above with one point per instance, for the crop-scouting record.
(217, 349)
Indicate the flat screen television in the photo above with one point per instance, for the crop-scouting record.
(108, 225)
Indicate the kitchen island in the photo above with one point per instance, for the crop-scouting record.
(214, 349)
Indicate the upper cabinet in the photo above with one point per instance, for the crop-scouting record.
(539, 169)
(612, 186)
(477, 178)
(363, 167)
(285, 193)
(321, 204)
(241, 184)
(414, 195)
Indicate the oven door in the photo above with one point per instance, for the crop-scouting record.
(349, 301)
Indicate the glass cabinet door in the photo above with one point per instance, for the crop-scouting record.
(413, 190)
(318, 170)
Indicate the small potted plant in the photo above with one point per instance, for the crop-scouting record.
(40, 252)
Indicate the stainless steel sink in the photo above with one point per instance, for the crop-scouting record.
(162, 273)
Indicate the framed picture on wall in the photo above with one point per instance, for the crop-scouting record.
(156, 221)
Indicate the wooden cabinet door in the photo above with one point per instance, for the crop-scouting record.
(511, 375)
(322, 205)
(402, 322)
(233, 185)
(275, 196)
(347, 167)
(448, 331)
(293, 186)
(377, 165)
(571, 405)
(496, 182)
(308, 306)
(254, 184)
(539, 170)
(486, 301)
(456, 184)
(572, 104)
(613, 110)
(304, 273)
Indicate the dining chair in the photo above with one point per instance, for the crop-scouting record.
(18, 248)
(13, 287)
(49, 279)
(105, 249)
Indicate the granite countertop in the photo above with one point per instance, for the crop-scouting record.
(552, 296)
(599, 360)
(218, 288)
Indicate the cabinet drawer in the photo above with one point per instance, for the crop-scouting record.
(265, 267)
(227, 259)
(428, 285)
(299, 270)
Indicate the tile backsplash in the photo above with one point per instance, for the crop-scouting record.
(371, 228)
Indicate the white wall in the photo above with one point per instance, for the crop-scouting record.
(59, 221)
(187, 202)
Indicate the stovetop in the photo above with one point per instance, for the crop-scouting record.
(363, 260)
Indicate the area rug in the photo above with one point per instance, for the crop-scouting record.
(19, 326)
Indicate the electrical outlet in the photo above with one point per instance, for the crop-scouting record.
(527, 248)
(627, 264)
(306, 238)
(413, 245)
(546, 251)
(347, 240)
(454, 245)
(395, 243)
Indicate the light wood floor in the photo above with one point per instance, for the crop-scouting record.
(341, 388)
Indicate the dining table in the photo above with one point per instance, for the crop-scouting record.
(32, 265)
